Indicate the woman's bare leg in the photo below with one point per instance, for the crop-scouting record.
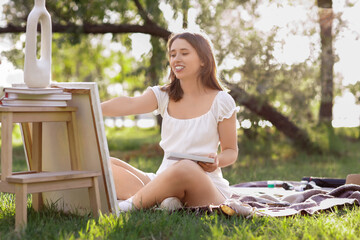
(127, 179)
(185, 180)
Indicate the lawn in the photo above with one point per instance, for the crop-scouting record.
(268, 157)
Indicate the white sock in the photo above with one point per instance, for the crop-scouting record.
(126, 205)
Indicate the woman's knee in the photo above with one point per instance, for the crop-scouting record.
(116, 161)
(120, 163)
(186, 169)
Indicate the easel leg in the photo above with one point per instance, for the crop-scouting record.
(26, 130)
(73, 143)
(36, 148)
(94, 197)
(6, 145)
(37, 201)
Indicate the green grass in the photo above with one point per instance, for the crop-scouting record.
(270, 156)
(154, 224)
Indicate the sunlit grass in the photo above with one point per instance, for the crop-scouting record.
(155, 224)
(131, 138)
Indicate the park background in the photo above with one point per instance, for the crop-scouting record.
(291, 66)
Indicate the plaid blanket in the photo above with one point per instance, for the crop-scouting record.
(279, 205)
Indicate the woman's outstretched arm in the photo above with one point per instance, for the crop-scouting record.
(122, 106)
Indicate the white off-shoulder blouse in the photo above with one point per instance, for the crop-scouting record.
(197, 135)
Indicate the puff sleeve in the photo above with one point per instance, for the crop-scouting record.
(225, 106)
(162, 99)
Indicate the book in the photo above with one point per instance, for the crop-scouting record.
(55, 96)
(25, 90)
(31, 103)
(181, 156)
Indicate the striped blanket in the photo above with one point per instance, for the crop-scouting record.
(278, 202)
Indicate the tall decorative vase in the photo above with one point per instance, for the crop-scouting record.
(37, 72)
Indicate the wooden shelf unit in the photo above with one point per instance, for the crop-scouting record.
(35, 181)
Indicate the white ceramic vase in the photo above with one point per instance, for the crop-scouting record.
(37, 72)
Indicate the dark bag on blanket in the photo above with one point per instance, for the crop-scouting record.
(325, 182)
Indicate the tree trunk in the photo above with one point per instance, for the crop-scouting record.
(152, 76)
(185, 9)
(327, 61)
(282, 123)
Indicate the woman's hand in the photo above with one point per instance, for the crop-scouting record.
(210, 167)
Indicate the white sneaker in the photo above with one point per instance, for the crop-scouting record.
(171, 204)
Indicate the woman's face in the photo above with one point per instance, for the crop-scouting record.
(184, 60)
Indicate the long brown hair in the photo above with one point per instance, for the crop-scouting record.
(207, 75)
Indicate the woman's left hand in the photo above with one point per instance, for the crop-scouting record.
(210, 167)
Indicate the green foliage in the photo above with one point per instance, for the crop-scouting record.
(92, 61)
(154, 64)
(76, 12)
(15, 56)
(355, 90)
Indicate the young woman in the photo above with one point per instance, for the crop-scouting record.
(197, 116)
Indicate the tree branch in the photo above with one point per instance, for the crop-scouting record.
(86, 28)
(144, 14)
(281, 122)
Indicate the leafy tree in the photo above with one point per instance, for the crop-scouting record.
(290, 91)
(81, 16)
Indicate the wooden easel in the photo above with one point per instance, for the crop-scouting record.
(37, 181)
(92, 147)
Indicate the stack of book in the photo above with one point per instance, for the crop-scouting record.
(34, 97)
